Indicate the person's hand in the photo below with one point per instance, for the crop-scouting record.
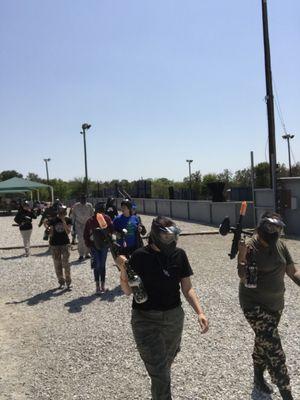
(140, 228)
(203, 322)
(120, 261)
(242, 247)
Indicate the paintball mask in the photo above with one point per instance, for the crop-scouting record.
(164, 234)
(62, 210)
(270, 227)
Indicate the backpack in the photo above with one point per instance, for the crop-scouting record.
(101, 233)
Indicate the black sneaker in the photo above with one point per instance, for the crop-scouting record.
(80, 258)
(87, 256)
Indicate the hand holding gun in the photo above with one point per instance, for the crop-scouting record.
(237, 231)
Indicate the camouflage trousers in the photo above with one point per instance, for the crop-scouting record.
(61, 255)
(268, 353)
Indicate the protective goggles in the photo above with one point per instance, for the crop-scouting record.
(169, 234)
(272, 225)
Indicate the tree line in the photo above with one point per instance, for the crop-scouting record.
(160, 186)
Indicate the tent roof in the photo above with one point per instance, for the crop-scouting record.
(17, 184)
(14, 191)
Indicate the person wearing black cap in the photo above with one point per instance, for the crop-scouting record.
(59, 229)
(111, 209)
(157, 321)
(263, 300)
(94, 238)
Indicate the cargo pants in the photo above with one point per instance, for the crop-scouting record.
(268, 353)
(158, 336)
(61, 255)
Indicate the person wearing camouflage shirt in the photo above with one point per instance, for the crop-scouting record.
(263, 305)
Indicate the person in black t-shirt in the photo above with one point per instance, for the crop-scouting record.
(157, 323)
(24, 218)
(59, 230)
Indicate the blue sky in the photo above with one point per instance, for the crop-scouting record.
(160, 81)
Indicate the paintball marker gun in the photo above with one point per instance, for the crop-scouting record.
(237, 231)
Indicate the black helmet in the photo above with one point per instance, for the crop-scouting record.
(164, 234)
(100, 207)
(127, 203)
(62, 209)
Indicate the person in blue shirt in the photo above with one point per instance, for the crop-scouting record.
(129, 241)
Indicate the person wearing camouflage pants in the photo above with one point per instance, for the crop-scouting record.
(59, 230)
(262, 265)
(268, 353)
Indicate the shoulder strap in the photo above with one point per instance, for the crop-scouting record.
(101, 221)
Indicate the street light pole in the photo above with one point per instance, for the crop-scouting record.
(47, 172)
(190, 177)
(288, 138)
(85, 127)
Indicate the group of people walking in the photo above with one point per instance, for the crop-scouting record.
(164, 271)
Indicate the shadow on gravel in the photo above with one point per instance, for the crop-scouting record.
(110, 295)
(76, 305)
(256, 395)
(41, 297)
(43, 254)
(13, 257)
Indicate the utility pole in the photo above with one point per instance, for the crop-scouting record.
(288, 138)
(190, 178)
(85, 127)
(270, 103)
(47, 172)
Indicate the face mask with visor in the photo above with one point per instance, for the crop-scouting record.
(272, 225)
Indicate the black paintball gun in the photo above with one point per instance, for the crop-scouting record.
(237, 231)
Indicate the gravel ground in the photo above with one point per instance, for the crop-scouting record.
(74, 345)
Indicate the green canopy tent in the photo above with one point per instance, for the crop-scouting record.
(18, 185)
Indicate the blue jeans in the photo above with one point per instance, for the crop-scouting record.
(98, 262)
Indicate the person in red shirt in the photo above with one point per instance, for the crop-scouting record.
(98, 252)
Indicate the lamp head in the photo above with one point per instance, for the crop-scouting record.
(86, 126)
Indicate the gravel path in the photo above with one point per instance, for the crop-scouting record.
(74, 345)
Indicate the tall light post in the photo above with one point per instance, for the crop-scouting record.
(85, 127)
(270, 104)
(288, 137)
(190, 177)
(47, 172)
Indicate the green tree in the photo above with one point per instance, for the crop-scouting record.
(160, 188)
(4, 175)
(34, 177)
(208, 178)
(262, 175)
(242, 177)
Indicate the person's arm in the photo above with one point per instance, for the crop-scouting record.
(86, 235)
(242, 260)
(67, 227)
(120, 261)
(293, 273)
(192, 298)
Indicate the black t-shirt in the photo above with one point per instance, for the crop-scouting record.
(24, 219)
(161, 276)
(60, 236)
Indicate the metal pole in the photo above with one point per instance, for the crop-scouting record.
(190, 178)
(84, 127)
(253, 191)
(85, 163)
(47, 171)
(289, 150)
(269, 101)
